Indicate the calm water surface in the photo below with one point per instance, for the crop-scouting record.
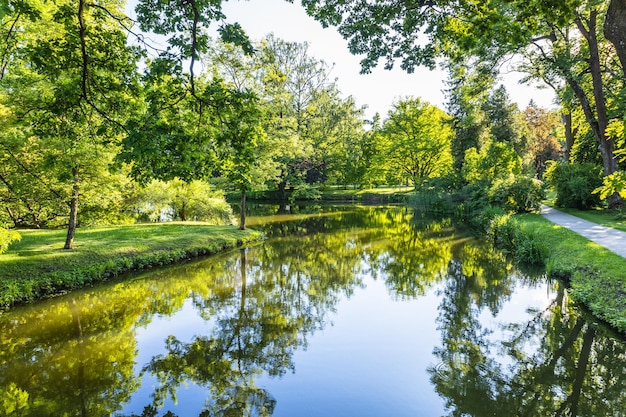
(341, 311)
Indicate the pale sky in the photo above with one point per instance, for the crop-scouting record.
(377, 90)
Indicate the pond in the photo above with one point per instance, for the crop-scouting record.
(341, 311)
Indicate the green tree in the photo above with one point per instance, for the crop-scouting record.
(494, 160)
(308, 123)
(415, 140)
(336, 131)
(179, 200)
(505, 121)
(562, 39)
(241, 138)
(70, 86)
(545, 136)
(468, 91)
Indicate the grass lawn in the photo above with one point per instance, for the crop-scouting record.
(38, 267)
(597, 276)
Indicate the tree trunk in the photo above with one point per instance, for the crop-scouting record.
(282, 191)
(183, 212)
(242, 211)
(615, 29)
(71, 225)
(606, 146)
(570, 134)
(81, 361)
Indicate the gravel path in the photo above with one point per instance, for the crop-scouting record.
(612, 239)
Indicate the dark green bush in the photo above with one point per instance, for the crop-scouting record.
(518, 194)
(574, 184)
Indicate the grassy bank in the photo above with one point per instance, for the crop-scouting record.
(38, 267)
(596, 275)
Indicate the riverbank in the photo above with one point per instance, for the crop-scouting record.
(37, 266)
(376, 195)
(597, 276)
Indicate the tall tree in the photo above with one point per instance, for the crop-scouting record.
(545, 135)
(416, 140)
(615, 29)
(69, 84)
(417, 32)
(467, 94)
(306, 120)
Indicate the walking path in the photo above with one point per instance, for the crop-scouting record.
(612, 239)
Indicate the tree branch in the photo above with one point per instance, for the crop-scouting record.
(5, 53)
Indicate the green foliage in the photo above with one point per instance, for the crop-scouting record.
(611, 184)
(13, 399)
(501, 228)
(468, 93)
(178, 200)
(69, 88)
(585, 149)
(505, 121)
(507, 232)
(313, 134)
(6, 237)
(414, 143)
(519, 194)
(494, 160)
(574, 184)
(531, 248)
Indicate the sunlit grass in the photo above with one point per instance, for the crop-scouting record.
(38, 266)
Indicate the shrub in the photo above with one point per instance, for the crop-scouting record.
(503, 231)
(518, 194)
(527, 246)
(6, 237)
(574, 184)
(483, 218)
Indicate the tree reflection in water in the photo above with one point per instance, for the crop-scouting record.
(77, 355)
(555, 363)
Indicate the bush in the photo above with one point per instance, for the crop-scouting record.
(574, 184)
(527, 246)
(530, 248)
(483, 218)
(518, 194)
(6, 237)
(503, 231)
